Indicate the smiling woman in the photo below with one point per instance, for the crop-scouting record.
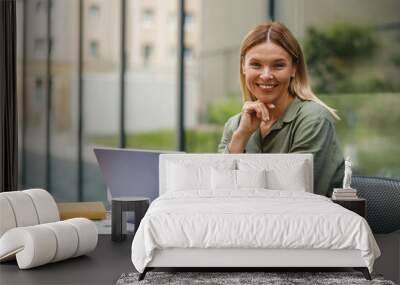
(280, 113)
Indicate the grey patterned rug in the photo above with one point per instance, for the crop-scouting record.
(229, 278)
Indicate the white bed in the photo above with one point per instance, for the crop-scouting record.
(247, 210)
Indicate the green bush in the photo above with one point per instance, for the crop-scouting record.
(203, 141)
(333, 53)
(197, 140)
(369, 126)
(396, 60)
(222, 109)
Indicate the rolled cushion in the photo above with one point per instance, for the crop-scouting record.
(87, 234)
(7, 218)
(26, 208)
(23, 208)
(33, 246)
(46, 207)
(40, 244)
(66, 239)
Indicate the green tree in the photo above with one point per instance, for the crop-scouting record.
(333, 53)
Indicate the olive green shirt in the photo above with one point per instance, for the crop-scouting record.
(305, 127)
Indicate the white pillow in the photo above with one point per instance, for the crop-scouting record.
(237, 179)
(184, 175)
(292, 179)
(187, 177)
(281, 175)
(251, 178)
(223, 179)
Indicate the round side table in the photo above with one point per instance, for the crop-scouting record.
(120, 206)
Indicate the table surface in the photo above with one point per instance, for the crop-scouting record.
(129, 199)
(351, 199)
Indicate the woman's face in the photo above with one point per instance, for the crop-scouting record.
(267, 69)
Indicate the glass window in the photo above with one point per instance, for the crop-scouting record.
(51, 44)
(172, 51)
(34, 84)
(189, 18)
(101, 93)
(350, 54)
(40, 45)
(94, 48)
(148, 17)
(94, 10)
(64, 102)
(212, 64)
(172, 20)
(188, 53)
(151, 102)
(39, 89)
(353, 59)
(39, 6)
(147, 53)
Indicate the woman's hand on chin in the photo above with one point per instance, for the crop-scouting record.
(253, 113)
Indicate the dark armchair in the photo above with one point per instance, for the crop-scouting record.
(383, 202)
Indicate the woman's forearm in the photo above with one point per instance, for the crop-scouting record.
(238, 142)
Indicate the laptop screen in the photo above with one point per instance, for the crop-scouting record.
(130, 172)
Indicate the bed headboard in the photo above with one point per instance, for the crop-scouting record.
(266, 160)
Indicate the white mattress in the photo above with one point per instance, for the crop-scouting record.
(250, 219)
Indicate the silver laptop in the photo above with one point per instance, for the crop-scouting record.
(130, 172)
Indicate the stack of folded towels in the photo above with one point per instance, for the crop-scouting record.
(343, 194)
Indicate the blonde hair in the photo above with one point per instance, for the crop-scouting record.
(278, 34)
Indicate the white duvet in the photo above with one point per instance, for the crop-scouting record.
(252, 218)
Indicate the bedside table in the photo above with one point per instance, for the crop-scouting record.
(358, 206)
(120, 206)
